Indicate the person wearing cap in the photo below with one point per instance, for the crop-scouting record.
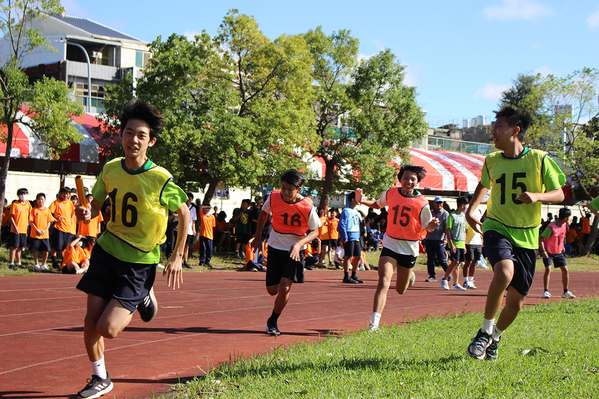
(434, 240)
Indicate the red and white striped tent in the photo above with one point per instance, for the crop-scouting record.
(91, 149)
(446, 170)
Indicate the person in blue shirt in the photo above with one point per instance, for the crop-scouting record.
(349, 238)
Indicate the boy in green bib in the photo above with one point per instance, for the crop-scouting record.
(520, 180)
(123, 262)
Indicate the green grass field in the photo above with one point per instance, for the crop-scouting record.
(551, 351)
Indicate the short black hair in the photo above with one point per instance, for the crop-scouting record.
(22, 191)
(351, 196)
(419, 170)
(462, 201)
(565, 213)
(516, 117)
(40, 195)
(294, 177)
(64, 190)
(137, 109)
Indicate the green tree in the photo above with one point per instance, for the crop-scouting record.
(376, 114)
(236, 105)
(46, 101)
(567, 128)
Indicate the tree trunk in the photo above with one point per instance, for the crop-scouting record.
(211, 190)
(328, 183)
(587, 247)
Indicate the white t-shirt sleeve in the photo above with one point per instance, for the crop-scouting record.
(382, 202)
(313, 220)
(425, 216)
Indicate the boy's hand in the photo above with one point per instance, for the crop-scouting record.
(358, 192)
(294, 252)
(83, 213)
(528, 198)
(173, 271)
(433, 224)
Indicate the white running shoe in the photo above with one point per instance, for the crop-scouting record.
(444, 284)
(568, 295)
(546, 295)
(36, 268)
(45, 268)
(457, 287)
(470, 285)
(412, 279)
(373, 328)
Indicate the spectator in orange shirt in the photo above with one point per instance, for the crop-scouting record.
(333, 222)
(75, 201)
(63, 210)
(93, 228)
(206, 234)
(19, 221)
(323, 235)
(40, 219)
(74, 260)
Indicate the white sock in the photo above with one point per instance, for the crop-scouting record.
(99, 369)
(497, 333)
(470, 278)
(488, 325)
(376, 318)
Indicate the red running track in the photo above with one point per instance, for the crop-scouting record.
(214, 317)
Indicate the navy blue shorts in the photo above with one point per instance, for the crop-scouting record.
(407, 261)
(499, 248)
(60, 239)
(352, 248)
(558, 260)
(40, 244)
(280, 265)
(474, 252)
(111, 278)
(458, 256)
(17, 240)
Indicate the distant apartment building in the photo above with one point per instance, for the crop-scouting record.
(480, 120)
(111, 54)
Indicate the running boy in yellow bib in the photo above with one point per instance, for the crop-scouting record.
(123, 262)
(520, 179)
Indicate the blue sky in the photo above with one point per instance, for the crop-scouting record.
(459, 54)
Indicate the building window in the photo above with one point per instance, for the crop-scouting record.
(139, 59)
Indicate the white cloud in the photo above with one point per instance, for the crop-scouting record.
(75, 10)
(544, 71)
(491, 91)
(518, 9)
(593, 20)
(190, 34)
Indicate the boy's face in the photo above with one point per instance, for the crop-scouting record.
(65, 195)
(409, 181)
(503, 134)
(40, 201)
(244, 205)
(135, 138)
(289, 192)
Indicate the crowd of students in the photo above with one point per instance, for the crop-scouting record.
(49, 231)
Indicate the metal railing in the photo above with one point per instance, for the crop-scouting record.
(438, 143)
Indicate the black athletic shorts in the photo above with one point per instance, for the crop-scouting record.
(352, 248)
(17, 240)
(407, 261)
(40, 244)
(281, 265)
(474, 252)
(243, 238)
(60, 239)
(109, 277)
(499, 248)
(457, 256)
(558, 260)
(331, 242)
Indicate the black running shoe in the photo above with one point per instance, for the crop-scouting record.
(492, 350)
(478, 347)
(355, 278)
(149, 307)
(272, 329)
(349, 280)
(186, 265)
(96, 387)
